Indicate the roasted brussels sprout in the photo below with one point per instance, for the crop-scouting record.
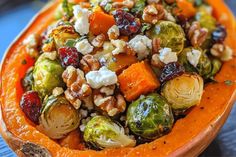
(171, 35)
(47, 75)
(206, 20)
(150, 116)
(64, 9)
(58, 117)
(102, 132)
(206, 67)
(183, 91)
(62, 33)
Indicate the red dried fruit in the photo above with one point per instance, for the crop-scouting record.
(171, 70)
(69, 56)
(126, 22)
(31, 105)
(219, 34)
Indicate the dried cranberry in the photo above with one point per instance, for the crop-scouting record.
(183, 22)
(219, 34)
(126, 22)
(171, 70)
(31, 105)
(69, 56)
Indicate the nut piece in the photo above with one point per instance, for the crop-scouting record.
(221, 51)
(108, 90)
(77, 87)
(98, 40)
(113, 32)
(156, 62)
(89, 63)
(112, 105)
(196, 34)
(124, 4)
(153, 13)
(156, 45)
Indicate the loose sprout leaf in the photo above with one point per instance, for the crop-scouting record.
(70, 43)
(228, 82)
(139, 7)
(145, 27)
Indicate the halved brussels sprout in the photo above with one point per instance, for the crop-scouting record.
(62, 33)
(58, 117)
(102, 132)
(183, 91)
(47, 75)
(171, 35)
(150, 116)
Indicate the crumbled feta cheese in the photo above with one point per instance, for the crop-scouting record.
(113, 32)
(31, 41)
(193, 57)
(120, 45)
(167, 56)
(84, 47)
(141, 44)
(82, 19)
(102, 77)
(57, 91)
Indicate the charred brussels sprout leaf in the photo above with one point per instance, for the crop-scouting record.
(150, 117)
(102, 132)
(170, 34)
(58, 117)
(184, 91)
(138, 7)
(47, 75)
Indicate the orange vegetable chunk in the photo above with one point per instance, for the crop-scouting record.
(186, 8)
(136, 80)
(100, 22)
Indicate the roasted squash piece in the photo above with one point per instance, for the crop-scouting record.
(136, 80)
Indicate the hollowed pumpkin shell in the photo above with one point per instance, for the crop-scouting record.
(189, 136)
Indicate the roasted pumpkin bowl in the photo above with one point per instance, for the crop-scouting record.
(189, 136)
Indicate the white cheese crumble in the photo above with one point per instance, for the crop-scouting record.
(142, 45)
(102, 77)
(84, 47)
(167, 56)
(193, 57)
(50, 55)
(113, 32)
(31, 41)
(119, 46)
(82, 19)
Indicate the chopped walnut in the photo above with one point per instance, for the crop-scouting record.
(57, 91)
(196, 34)
(77, 87)
(156, 62)
(156, 45)
(108, 90)
(112, 105)
(98, 40)
(123, 4)
(89, 63)
(221, 51)
(153, 13)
